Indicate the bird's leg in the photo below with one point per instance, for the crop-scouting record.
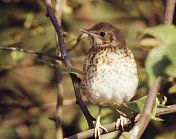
(122, 121)
(98, 125)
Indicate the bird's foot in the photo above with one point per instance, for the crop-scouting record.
(122, 121)
(97, 129)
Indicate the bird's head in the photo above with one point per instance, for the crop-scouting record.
(104, 34)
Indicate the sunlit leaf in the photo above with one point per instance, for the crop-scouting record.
(150, 42)
(137, 105)
(171, 70)
(166, 34)
(130, 109)
(111, 135)
(122, 109)
(153, 117)
(71, 70)
(28, 20)
(172, 90)
(171, 52)
(125, 135)
(17, 56)
(155, 63)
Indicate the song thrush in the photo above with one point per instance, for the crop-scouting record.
(109, 73)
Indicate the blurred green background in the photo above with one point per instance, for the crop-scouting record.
(28, 84)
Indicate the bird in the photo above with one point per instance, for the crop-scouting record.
(110, 71)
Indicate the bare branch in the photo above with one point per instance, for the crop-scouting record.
(58, 9)
(169, 12)
(59, 106)
(144, 119)
(16, 105)
(76, 44)
(112, 127)
(67, 63)
(90, 133)
(29, 51)
(167, 110)
(54, 21)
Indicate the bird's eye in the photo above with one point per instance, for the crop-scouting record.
(102, 34)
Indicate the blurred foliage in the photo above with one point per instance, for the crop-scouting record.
(28, 82)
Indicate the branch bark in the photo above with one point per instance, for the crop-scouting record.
(144, 119)
(59, 106)
(67, 63)
(29, 51)
(169, 12)
(167, 110)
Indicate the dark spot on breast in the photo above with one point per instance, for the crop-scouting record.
(111, 38)
(96, 61)
(108, 63)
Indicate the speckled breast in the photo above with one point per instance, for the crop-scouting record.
(110, 75)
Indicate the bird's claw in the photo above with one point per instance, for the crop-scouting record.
(97, 130)
(122, 121)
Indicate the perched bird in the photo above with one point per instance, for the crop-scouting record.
(109, 73)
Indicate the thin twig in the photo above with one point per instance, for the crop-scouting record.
(167, 110)
(58, 9)
(55, 23)
(29, 51)
(76, 44)
(90, 133)
(48, 63)
(67, 63)
(144, 119)
(59, 106)
(169, 12)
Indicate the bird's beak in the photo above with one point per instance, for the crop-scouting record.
(87, 31)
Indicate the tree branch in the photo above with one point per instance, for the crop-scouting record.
(167, 110)
(77, 42)
(169, 12)
(144, 119)
(90, 133)
(112, 127)
(29, 51)
(59, 106)
(67, 63)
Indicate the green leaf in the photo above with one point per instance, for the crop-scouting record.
(156, 62)
(122, 109)
(125, 135)
(111, 135)
(171, 70)
(150, 42)
(137, 105)
(18, 56)
(153, 117)
(51, 51)
(171, 52)
(131, 109)
(71, 70)
(166, 34)
(157, 119)
(172, 90)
